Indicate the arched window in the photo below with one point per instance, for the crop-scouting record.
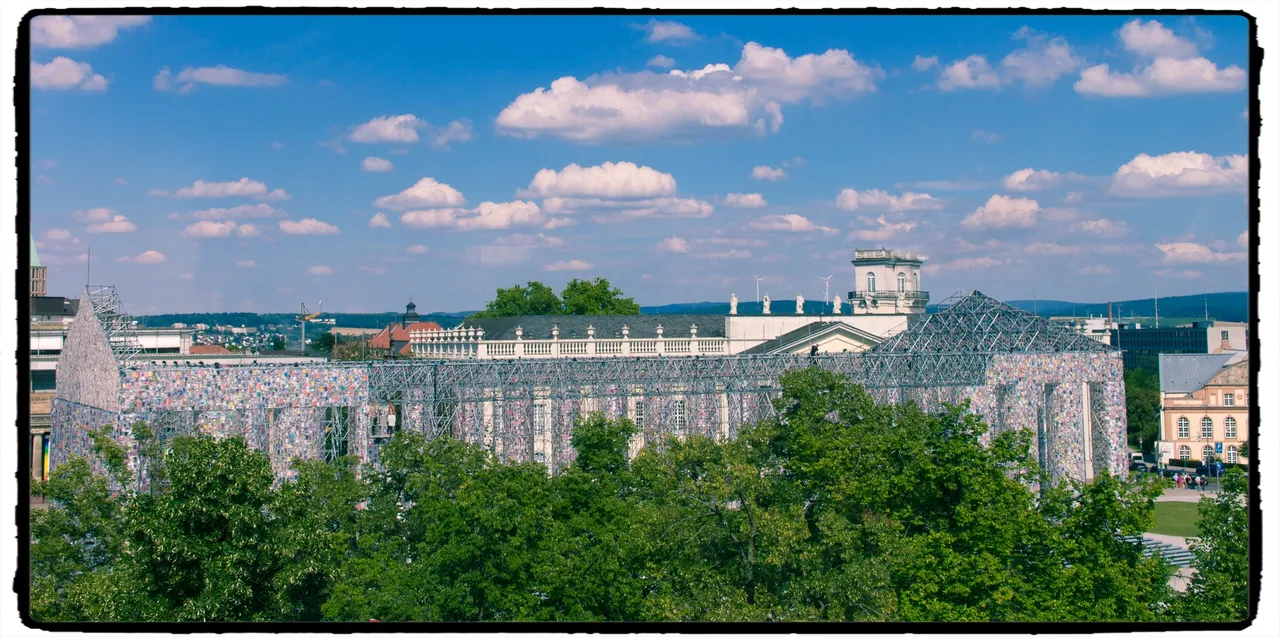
(1229, 427)
(1233, 455)
(1206, 454)
(1184, 452)
(902, 282)
(1184, 427)
(871, 281)
(1206, 427)
(915, 281)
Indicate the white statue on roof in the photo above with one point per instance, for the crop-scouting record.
(766, 303)
(799, 304)
(733, 303)
(835, 305)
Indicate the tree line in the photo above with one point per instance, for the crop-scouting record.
(578, 297)
(838, 509)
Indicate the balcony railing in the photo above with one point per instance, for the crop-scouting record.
(443, 347)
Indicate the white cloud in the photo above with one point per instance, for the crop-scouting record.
(608, 180)
(1242, 240)
(459, 131)
(1095, 269)
(244, 187)
(667, 31)
(104, 221)
(884, 230)
(427, 193)
(66, 74)
(1050, 249)
(789, 223)
(922, 63)
(434, 218)
(319, 270)
(661, 61)
(491, 216)
(987, 136)
(80, 31)
(649, 106)
(850, 199)
(1041, 63)
(1164, 76)
(388, 128)
(150, 257)
(1029, 179)
(247, 230)
(47, 164)
(42, 179)
(768, 173)
(1180, 274)
(1004, 212)
(661, 208)
(210, 229)
(973, 72)
(673, 245)
(1187, 252)
(376, 165)
(246, 264)
(559, 222)
(575, 265)
(307, 226)
(1152, 39)
(1180, 173)
(748, 200)
(1104, 227)
(189, 77)
(1074, 197)
(416, 249)
(376, 270)
(244, 211)
(380, 221)
(58, 234)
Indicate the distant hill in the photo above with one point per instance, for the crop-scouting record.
(1223, 306)
(249, 319)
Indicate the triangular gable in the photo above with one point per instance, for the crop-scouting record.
(87, 370)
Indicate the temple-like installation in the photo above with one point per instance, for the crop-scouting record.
(1018, 371)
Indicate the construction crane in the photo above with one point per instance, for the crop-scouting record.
(304, 317)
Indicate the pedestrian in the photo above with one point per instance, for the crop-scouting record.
(1204, 483)
(1177, 479)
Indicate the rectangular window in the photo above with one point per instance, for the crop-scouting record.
(44, 380)
(677, 415)
(1226, 336)
(1229, 400)
(540, 417)
(639, 412)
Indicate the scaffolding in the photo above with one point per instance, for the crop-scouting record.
(119, 327)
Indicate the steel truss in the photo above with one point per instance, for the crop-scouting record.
(116, 323)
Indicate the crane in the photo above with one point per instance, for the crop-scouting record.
(305, 316)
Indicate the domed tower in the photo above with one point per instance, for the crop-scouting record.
(887, 282)
(38, 275)
(410, 315)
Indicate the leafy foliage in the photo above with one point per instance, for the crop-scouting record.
(596, 297)
(837, 510)
(1142, 406)
(578, 297)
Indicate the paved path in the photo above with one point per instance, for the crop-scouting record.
(1184, 495)
(1176, 540)
(1181, 579)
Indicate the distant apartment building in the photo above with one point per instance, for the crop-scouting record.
(1142, 346)
(1204, 407)
(1097, 328)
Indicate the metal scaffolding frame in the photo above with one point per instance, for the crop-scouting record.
(116, 323)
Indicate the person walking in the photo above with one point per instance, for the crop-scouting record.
(1204, 482)
(1177, 479)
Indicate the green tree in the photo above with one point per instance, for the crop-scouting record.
(518, 300)
(326, 342)
(277, 343)
(1219, 590)
(596, 297)
(1142, 407)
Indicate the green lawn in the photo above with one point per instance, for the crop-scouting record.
(1176, 518)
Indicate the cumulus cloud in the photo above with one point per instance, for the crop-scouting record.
(747, 200)
(319, 270)
(1029, 179)
(247, 264)
(922, 63)
(388, 128)
(673, 245)
(1004, 212)
(103, 221)
(574, 265)
(150, 257)
(661, 61)
(426, 193)
(883, 230)
(459, 131)
(307, 226)
(1104, 227)
(435, 218)
(768, 173)
(1180, 173)
(608, 180)
(558, 222)
(1188, 252)
(244, 187)
(651, 106)
(416, 249)
(789, 223)
(376, 165)
(244, 211)
(1243, 239)
(380, 221)
(973, 72)
(247, 230)
(66, 74)
(187, 79)
(668, 31)
(492, 216)
(1152, 39)
(210, 229)
(1039, 63)
(58, 234)
(80, 31)
(1175, 67)
(850, 199)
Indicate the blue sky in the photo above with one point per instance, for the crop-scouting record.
(249, 163)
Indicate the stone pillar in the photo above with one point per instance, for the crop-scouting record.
(626, 340)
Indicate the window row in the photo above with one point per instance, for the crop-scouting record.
(1206, 427)
(1207, 453)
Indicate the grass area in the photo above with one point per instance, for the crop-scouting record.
(1176, 518)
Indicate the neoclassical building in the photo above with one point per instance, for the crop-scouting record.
(1204, 407)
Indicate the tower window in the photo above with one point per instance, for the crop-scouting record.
(902, 282)
(1184, 427)
(1206, 427)
(871, 281)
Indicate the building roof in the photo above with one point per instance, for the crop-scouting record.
(209, 349)
(815, 329)
(1234, 373)
(575, 326)
(54, 306)
(1186, 373)
(35, 258)
(397, 333)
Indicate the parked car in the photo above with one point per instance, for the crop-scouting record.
(1211, 470)
(1137, 467)
(1168, 473)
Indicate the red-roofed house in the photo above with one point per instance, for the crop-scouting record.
(393, 340)
(209, 349)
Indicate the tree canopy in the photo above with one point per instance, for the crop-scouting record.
(837, 510)
(579, 297)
